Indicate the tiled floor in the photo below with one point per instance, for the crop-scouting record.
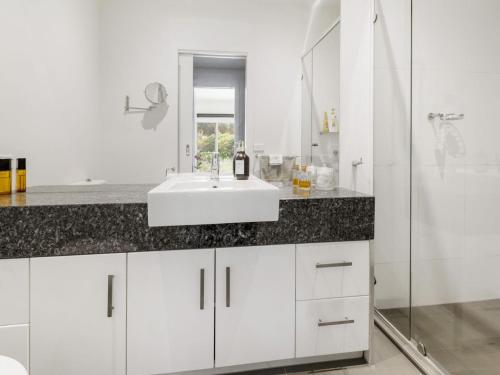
(464, 338)
(388, 360)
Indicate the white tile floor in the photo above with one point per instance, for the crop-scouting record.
(388, 360)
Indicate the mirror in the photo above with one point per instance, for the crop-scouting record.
(213, 95)
(155, 93)
(321, 100)
(262, 71)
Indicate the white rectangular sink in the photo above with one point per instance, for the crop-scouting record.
(191, 199)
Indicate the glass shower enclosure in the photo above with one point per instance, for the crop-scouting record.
(437, 178)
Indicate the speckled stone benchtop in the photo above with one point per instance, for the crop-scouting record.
(67, 220)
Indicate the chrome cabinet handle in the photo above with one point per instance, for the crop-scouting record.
(110, 296)
(228, 287)
(202, 289)
(333, 265)
(335, 323)
(446, 116)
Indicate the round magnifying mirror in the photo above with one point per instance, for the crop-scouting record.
(155, 93)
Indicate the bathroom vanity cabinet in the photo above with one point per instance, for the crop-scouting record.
(87, 287)
(172, 311)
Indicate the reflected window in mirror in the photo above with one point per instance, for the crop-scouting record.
(214, 127)
(212, 90)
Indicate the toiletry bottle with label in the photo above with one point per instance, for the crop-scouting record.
(21, 175)
(304, 182)
(326, 128)
(241, 163)
(5, 176)
(335, 128)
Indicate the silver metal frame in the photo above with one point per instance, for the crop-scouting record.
(409, 349)
(275, 364)
(323, 36)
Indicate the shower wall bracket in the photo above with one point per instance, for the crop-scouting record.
(446, 116)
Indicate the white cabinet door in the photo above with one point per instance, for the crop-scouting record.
(170, 323)
(14, 291)
(73, 329)
(255, 304)
(14, 343)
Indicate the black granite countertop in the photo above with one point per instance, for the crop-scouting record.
(71, 220)
(125, 194)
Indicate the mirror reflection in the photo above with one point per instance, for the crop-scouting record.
(260, 72)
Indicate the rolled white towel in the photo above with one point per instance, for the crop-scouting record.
(9, 366)
(89, 182)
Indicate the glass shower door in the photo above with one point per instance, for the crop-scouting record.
(392, 151)
(455, 194)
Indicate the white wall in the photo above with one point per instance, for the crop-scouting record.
(323, 14)
(356, 95)
(49, 87)
(456, 198)
(141, 40)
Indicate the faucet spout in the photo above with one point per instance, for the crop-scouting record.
(215, 166)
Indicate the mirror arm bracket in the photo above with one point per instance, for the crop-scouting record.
(129, 109)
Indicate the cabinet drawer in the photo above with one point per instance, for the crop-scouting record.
(331, 326)
(334, 269)
(14, 291)
(14, 343)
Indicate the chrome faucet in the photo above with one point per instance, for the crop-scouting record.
(214, 169)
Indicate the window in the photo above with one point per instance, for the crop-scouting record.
(214, 127)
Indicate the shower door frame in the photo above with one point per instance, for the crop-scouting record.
(408, 345)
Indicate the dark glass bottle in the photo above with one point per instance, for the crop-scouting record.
(241, 163)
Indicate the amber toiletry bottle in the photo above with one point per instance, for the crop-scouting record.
(304, 189)
(241, 163)
(21, 175)
(5, 176)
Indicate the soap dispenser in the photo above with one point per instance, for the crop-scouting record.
(241, 163)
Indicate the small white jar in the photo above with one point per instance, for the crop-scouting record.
(325, 178)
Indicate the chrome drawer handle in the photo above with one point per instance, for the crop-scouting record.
(333, 265)
(228, 287)
(110, 296)
(335, 323)
(202, 289)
